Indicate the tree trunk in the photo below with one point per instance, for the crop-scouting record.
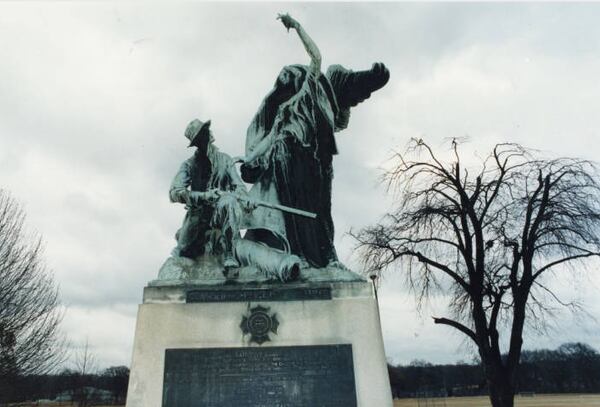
(502, 393)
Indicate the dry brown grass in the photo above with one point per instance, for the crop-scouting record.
(542, 400)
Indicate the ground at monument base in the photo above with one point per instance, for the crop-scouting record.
(539, 400)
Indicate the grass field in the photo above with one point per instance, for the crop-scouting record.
(541, 400)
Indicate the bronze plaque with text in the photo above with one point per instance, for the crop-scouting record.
(284, 376)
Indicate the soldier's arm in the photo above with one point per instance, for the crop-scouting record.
(309, 44)
(236, 180)
(179, 192)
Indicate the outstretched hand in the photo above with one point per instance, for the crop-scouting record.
(250, 204)
(287, 21)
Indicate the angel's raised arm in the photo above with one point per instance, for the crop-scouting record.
(309, 44)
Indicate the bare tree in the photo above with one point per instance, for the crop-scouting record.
(489, 239)
(30, 341)
(85, 366)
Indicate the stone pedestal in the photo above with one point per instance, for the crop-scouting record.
(302, 345)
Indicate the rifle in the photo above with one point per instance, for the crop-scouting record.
(241, 197)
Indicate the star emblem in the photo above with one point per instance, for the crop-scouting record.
(259, 323)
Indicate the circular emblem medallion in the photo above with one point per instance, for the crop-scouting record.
(259, 323)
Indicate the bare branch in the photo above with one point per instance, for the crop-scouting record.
(456, 325)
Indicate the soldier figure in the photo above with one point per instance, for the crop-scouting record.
(213, 217)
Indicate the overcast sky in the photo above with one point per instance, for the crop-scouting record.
(95, 97)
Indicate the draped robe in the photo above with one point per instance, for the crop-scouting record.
(291, 145)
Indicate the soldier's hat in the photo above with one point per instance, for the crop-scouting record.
(195, 129)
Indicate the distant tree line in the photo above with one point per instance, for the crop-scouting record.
(571, 368)
(107, 387)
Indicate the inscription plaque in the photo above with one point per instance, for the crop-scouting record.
(259, 294)
(285, 376)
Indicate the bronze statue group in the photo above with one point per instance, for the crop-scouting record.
(290, 145)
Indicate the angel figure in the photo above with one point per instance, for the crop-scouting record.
(290, 146)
